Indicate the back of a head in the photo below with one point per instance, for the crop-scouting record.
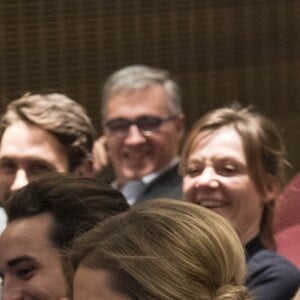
(138, 77)
(61, 116)
(164, 249)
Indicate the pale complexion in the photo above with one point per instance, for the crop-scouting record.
(27, 152)
(217, 177)
(135, 154)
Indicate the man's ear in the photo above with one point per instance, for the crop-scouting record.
(100, 154)
(85, 169)
(272, 188)
(180, 125)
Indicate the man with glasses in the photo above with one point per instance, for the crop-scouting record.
(143, 126)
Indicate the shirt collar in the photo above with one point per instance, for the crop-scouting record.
(152, 176)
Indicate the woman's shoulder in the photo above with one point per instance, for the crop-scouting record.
(271, 273)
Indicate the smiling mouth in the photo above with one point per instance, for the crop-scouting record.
(211, 204)
(137, 154)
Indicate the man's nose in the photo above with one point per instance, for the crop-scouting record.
(134, 136)
(20, 180)
(9, 291)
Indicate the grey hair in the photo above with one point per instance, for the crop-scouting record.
(138, 77)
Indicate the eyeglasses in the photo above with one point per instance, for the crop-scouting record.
(145, 124)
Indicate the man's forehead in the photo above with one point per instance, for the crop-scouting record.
(22, 140)
(33, 132)
(26, 241)
(31, 231)
(28, 133)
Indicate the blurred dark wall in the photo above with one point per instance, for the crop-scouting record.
(218, 51)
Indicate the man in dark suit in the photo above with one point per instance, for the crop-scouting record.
(143, 127)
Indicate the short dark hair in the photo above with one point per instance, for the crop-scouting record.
(76, 204)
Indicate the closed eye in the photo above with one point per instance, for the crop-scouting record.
(7, 166)
(193, 171)
(228, 169)
(24, 267)
(26, 272)
(39, 168)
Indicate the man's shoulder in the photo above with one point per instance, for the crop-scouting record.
(170, 176)
(166, 185)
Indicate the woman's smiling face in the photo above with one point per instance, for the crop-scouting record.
(217, 177)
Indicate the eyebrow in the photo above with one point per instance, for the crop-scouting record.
(31, 158)
(5, 158)
(28, 160)
(24, 258)
(195, 158)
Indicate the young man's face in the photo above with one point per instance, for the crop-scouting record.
(135, 153)
(30, 266)
(27, 152)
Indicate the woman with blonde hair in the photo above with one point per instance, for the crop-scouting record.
(163, 250)
(233, 163)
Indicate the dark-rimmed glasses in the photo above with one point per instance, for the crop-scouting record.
(146, 124)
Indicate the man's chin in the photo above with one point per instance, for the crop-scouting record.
(134, 174)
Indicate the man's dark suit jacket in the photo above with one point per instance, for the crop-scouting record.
(166, 185)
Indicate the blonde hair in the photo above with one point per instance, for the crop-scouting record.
(167, 250)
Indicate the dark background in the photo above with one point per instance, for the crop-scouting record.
(217, 50)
